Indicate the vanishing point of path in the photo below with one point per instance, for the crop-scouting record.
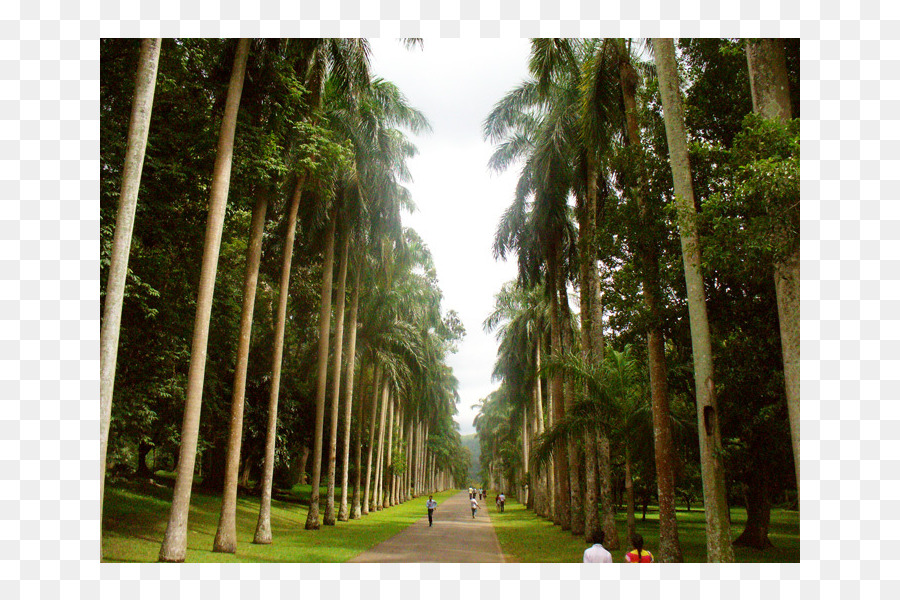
(455, 537)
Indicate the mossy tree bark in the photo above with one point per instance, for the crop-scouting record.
(771, 99)
(718, 530)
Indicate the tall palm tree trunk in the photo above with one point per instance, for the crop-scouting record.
(135, 147)
(312, 518)
(351, 360)
(769, 88)
(174, 545)
(585, 210)
(576, 489)
(562, 514)
(648, 260)
(358, 432)
(542, 500)
(226, 534)
(718, 530)
(388, 473)
(329, 518)
(379, 473)
(604, 458)
(376, 381)
(263, 533)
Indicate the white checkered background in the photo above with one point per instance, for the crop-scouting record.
(49, 297)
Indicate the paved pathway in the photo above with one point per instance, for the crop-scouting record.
(455, 537)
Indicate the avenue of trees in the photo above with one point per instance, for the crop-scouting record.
(265, 313)
(649, 348)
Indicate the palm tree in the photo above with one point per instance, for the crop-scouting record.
(317, 59)
(718, 530)
(343, 514)
(271, 71)
(380, 152)
(312, 518)
(226, 533)
(138, 129)
(329, 518)
(174, 545)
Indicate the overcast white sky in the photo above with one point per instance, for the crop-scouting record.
(456, 82)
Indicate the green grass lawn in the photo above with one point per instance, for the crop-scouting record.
(135, 515)
(525, 537)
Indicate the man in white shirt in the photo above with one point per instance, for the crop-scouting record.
(502, 499)
(597, 553)
(430, 505)
(474, 507)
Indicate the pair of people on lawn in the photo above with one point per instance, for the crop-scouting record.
(598, 554)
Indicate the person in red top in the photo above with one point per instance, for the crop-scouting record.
(638, 555)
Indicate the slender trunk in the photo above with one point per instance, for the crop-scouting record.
(525, 498)
(379, 474)
(329, 518)
(648, 262)
(575, 467)
(586, 209)
(174, 545)
(356, 504)
(562, 515)
(226, 534)
(312, 518)
(376, 381)
(351, 360)
(771, 99)
(138, 129)
(604, 458)
(629, 496)
(542, 500)
(388, 477)
(718, 533)
(263, 533)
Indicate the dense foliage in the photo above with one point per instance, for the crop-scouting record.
(745, 172)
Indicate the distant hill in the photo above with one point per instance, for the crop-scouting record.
(471, 442)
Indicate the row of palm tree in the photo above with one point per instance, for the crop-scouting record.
(341, 133)
(582, 128)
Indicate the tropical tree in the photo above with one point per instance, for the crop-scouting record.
(347, 60)
(138, 128)
(770, 89)
(174, 543)
(718, 533)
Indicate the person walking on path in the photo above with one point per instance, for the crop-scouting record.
(474, 506)
(597, 553)
(638, 555)
(502, 499)
(430, 505)
(457, 538)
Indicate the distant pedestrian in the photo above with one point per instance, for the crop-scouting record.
(430, 505)
(502, 499)
(474, 507)
(638, 555)
(497, 501)
(597, 553)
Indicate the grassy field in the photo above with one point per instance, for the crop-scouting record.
(134, 522)
(525, 537)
